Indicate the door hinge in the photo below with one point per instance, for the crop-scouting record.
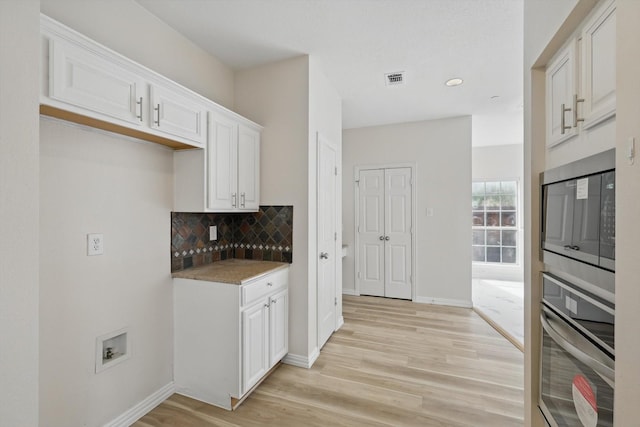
(335, 170)
(358, 274)
(335, 301)
(335, 236)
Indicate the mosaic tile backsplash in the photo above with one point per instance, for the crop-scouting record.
(264, 235)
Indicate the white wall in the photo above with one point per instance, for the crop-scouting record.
(129, 29)
(105, 183)
(277, 96)
(325, 117)
(101, 183)
(19, 59)
(441, 149)
(495, 163)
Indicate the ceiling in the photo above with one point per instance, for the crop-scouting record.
(358, 41)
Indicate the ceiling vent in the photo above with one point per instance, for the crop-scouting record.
(395, 79)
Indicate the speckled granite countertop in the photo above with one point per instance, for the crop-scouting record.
(233, 271)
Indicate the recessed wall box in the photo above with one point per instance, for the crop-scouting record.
(111, 349)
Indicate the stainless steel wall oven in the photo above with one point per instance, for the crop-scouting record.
(577, 367)
(578, 356)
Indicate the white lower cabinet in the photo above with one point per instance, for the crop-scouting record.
(227, 337)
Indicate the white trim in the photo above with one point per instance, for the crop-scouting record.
(301, 361)
(414, 216)
(444, 301)
(143, 407)
(350, 292)
(340, 322)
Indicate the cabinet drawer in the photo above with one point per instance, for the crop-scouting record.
(264, 286)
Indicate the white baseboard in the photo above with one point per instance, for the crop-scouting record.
(340, 322)
(349, 292)
(444, 301)
(136, 412)
(301, 361)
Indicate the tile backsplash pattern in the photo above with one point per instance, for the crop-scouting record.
(263, 235)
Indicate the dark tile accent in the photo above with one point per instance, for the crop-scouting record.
(263, 235)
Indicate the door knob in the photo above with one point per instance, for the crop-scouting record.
(386, 237)
(324, 255)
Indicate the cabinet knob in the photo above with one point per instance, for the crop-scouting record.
(324, 255)
(273, 301)
(269, 284)
(266, 306)
(387, 237)
(381, 237)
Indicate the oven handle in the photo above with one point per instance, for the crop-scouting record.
(569, 341)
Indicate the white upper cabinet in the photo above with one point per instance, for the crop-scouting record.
(85, 79)
(248, 168)
(599, 66)
(90, 84)
(233, 159)
(177, 113)
(222, 160)
(581, 78)
(561, 88)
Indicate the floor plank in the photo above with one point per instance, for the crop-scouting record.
(393, 363)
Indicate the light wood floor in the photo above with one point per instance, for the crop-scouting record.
(393, 363)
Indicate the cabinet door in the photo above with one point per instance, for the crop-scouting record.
(177, 114)
(561, 87)
(599, 66)
(278, 327)
(222, 162)
(248, 168)
(255, 344)
(84, 79)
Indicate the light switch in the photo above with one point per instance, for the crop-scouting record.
(213, 232)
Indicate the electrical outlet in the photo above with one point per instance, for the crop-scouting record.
(213, 232)
(95, 244)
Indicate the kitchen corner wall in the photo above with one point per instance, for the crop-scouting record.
(266, 235)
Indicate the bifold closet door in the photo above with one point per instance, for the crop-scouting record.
(384, 232)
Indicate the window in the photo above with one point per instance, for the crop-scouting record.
(495, 233)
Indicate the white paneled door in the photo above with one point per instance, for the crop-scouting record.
(385, 232)
(327, 239)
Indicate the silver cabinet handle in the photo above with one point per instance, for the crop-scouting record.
(139, 103)
(563, 126)
(324, 255)
(242, 200)
(381, 237)
(387, 238)
(575, 110)
(157, 108)
(233, 200)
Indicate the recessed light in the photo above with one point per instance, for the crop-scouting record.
(457, 81)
